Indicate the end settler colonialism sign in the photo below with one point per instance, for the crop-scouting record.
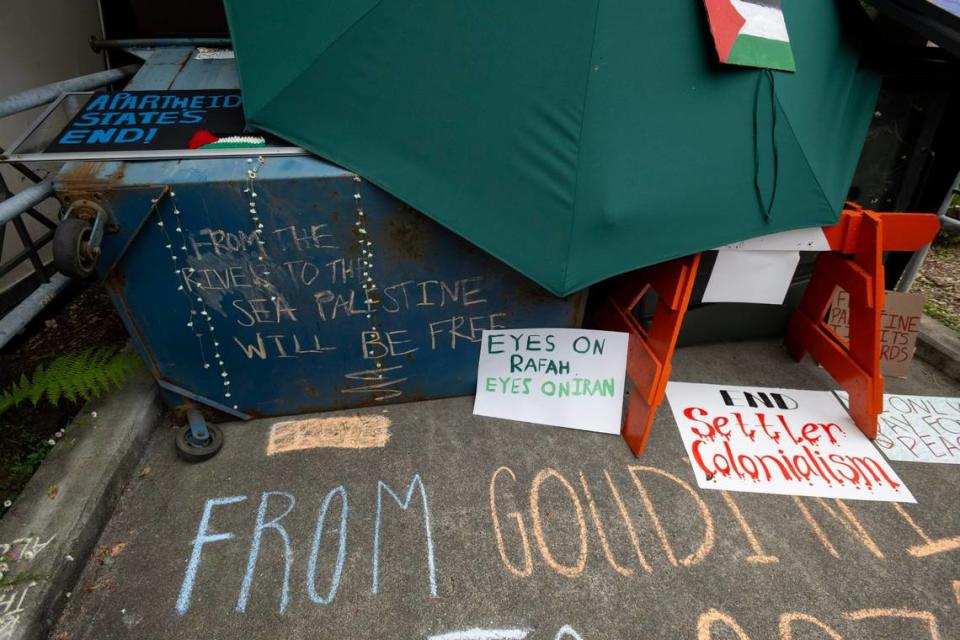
(150, 120)
(562, 377)
(783, 441)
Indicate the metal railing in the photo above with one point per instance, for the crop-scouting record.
(48, 93)
(13, 207)
(947, 223)
(98, 44)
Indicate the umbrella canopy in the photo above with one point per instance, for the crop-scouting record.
(572, 139)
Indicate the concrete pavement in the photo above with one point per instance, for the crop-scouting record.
(439, 523)
(54, 525)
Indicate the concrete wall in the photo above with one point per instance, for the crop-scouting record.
(42, 41)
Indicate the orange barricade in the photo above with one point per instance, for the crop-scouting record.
(651, 347)
(855, 264)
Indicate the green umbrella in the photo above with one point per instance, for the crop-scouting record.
(572, 139)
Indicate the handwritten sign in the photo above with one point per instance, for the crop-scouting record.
(562, 377)
(899, 326)
(150, 120)
(783, 441)
(919, 428)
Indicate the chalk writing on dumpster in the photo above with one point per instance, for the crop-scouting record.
(306, 292)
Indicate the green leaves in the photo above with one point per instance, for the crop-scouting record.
(72, 377)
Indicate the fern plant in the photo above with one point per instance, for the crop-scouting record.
(72, 377)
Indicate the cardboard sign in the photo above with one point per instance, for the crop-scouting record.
(919, 428)
(783, 441)
(150, 120)
(899, 326)
(563, 377)
(752, 33)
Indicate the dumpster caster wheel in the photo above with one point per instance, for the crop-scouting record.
(72, 254)
(190, 450)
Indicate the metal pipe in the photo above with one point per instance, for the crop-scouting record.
(48, 93)
(132, 43)
(950, 224)
(103, 33)
(22, 168)
(24, 254)
(30, 211)
(29, 197)
(27, 243)
(916, 261)
(21, 315)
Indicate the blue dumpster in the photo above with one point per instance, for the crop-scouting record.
(278, 285)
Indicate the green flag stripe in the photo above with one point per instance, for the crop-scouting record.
(762, 52)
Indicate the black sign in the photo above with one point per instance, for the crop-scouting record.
(152, 120)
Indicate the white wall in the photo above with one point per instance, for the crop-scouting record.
(41, 41)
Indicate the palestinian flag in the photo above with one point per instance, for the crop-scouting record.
(751, 33)
(203, 139)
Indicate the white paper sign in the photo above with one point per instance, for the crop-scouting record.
(563, 377)
(783, 441)
(919, 428)
(806, 239)
(759, 277)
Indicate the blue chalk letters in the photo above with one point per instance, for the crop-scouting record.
(273, 502)
(203, 537)
(255, 549)
(381, 487)
(341, 551)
